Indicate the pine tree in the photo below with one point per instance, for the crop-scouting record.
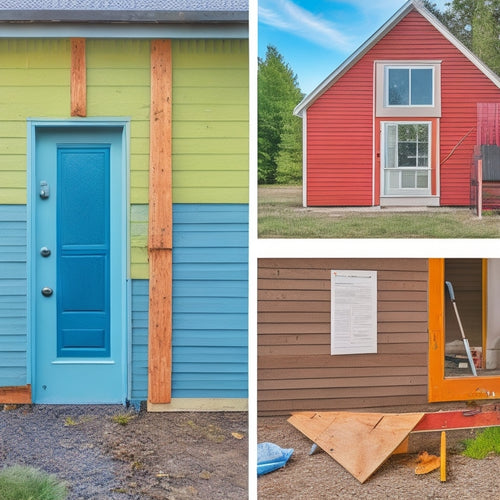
(278, 94)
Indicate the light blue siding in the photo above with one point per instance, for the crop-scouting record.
(139, 348)
(210, 301)
(13, 296)
(210, 305)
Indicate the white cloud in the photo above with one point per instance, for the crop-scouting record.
(287, 16)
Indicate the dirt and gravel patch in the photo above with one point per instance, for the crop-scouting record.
(110, 452)
(318, 476)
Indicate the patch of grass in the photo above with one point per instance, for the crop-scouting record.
(486, 442)
(27, 483)
(70, 422)
(281, 215)
(123, 418)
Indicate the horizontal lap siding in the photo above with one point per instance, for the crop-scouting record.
(118, 84)
(339, 154)
(210, 305)
(139, 347)
(339, 142)
(210, 295)
(296, 371)
(34, 82)
(13, 296)
(209, 134)
(210, 121)
(462, 87)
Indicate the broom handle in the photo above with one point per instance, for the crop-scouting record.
(465, 341)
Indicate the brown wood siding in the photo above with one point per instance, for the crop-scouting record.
(295, 368)
(340, 121)
(466, 276)
(491, 195)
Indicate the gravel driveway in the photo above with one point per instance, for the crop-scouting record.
(154, 456)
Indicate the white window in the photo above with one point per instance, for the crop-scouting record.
(406, 159)
(408, 89)
(409, 86)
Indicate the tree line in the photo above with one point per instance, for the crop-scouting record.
(476, 23)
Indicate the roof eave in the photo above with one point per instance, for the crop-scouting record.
(361, 51)
(352, 59)
(458, 44)
(123, 16)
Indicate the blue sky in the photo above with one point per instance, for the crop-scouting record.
(315, 36)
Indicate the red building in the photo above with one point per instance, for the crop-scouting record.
(397, 122)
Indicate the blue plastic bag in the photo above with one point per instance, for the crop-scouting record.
(271, 457)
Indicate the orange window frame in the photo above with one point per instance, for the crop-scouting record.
(453, 388)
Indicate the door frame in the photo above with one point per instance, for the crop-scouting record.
(40, 124)
(414, 199)
(462, 388)
(408, 192)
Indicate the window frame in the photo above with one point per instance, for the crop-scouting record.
(401, 191)
(381, 90)
(408, 68)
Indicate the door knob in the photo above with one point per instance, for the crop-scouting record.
(47, 291)
(44, 252)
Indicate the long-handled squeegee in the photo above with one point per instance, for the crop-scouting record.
(465, 341)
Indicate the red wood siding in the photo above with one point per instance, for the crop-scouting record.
(339, 141)
(488, 124)
(295, 368)
(340, 121)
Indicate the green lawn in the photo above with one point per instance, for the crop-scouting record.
(281, 215)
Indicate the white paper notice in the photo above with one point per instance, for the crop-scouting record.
(354, 312)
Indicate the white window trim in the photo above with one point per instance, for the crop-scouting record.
(409, 68)
(415, 192)
(380, 88)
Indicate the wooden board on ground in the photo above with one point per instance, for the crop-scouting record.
(360, 442)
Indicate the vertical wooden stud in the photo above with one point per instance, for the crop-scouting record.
(160, 225)
(436, 328)
(443, 456)
(78, 79)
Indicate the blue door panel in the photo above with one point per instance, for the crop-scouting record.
(83, 195)
(77, 339)
(83, 282)
(80, 329)
(83, 250)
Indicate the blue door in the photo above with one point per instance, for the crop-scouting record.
(79, 327)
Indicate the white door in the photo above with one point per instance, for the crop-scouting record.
(406, 159)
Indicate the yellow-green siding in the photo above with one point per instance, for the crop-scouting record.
(34, 81)
(210, 116)
(210, 121)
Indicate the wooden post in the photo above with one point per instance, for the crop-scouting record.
(443, 456)
(160, 225)
(480, 188)
(78, 79)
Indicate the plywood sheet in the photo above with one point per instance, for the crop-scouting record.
(360, 442)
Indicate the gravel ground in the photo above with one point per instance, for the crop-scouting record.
(318, 476)
(154, 456)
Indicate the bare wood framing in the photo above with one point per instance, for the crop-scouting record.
(160, 225)
(15, 395)
(78, 78)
